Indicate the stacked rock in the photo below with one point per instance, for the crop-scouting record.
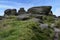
(10, 12)
(21, 11)
(7, 12)
(44, 10)
(14, 12)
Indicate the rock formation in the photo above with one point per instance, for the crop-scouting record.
(10, 12)
(37, 11)
(7, 12)
(21, 11)
(42, 10)
(23, 17)
(13, 12)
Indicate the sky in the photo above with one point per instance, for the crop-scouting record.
(17, 4)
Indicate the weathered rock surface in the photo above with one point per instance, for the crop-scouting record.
(57, 31)
(13, 12)
(21, 11)
(44, 26)
(7, 12)
(44, 10)
(36, 19)
(10, 12)
(23, 16)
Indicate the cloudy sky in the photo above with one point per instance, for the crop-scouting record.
(7, 4)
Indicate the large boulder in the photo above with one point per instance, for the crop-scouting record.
(10, 12)
(23, 16)
(21, 11)
(7, 12)
(40, 10)
(13, 12)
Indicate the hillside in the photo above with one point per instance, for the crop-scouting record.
(38, 23)
(13, 29)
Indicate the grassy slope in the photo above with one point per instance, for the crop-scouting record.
(11, 29)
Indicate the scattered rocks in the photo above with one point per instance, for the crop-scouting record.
(57, 31)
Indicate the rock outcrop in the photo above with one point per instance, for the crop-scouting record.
(23, 17)
(36, 11)
(13, 12)
(21, 11)
(7, 12)
(10, 12)
(42, 10)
